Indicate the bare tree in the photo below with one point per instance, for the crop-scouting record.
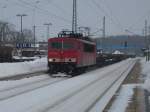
(8, 34)
(28, 35)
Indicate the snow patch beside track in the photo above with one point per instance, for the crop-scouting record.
(19, 68)
(81, 91)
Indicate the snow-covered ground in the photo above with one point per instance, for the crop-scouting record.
(123, 98)
(11, 69)
(126, 92)
(146, 73)
(18, 57)
(9, 89)
(76, 94)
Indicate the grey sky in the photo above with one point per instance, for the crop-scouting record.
(120, 14)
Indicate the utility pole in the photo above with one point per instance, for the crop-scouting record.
(21, 35)
(3, 31)
(149, 30)
(48, 28)
(146, 34)
(146, 42)
(34, 27)
(21, 17)
(143, 32)
(74, 17)
(104, 27)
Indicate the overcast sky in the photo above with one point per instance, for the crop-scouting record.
(120, 15)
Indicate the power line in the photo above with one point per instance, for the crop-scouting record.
(106, 14)
(18, 4)
(29, 8)
(62, 9)
(96, 12)
(99, 7)
(97, 31)
(57, 6)
(45, 11)
(114, 16)
(140, 19)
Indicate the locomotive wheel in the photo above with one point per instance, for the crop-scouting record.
(82, 70)
(76, 72)
(52, 70)
(79, 71)
(71, 70)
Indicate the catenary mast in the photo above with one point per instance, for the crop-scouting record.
(74, 17)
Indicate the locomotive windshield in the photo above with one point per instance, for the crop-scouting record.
(67, 45)
(61, 45)
(56, 45)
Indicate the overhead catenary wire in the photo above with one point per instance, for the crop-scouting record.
(21, 5)
(107, 15)
(57, 6)
(97, 31)
(90, 6)
(113, 16)
(29, 6)
(140, 19)
(45, 11)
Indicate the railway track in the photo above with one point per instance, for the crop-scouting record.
(22, 76)
(93, 98)
(27, 87)
(81, 93)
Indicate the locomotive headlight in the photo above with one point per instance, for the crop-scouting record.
(70, 59)
(73, 60)
(50, 60)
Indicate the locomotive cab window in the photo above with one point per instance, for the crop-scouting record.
(56, 45)
(60, 45)
(67, 45)
(88, 48)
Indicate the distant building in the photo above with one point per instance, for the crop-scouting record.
(125, 44)
(43, 45)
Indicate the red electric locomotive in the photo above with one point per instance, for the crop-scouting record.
(70, 53)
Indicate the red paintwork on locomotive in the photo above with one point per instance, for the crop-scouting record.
(82, 59)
